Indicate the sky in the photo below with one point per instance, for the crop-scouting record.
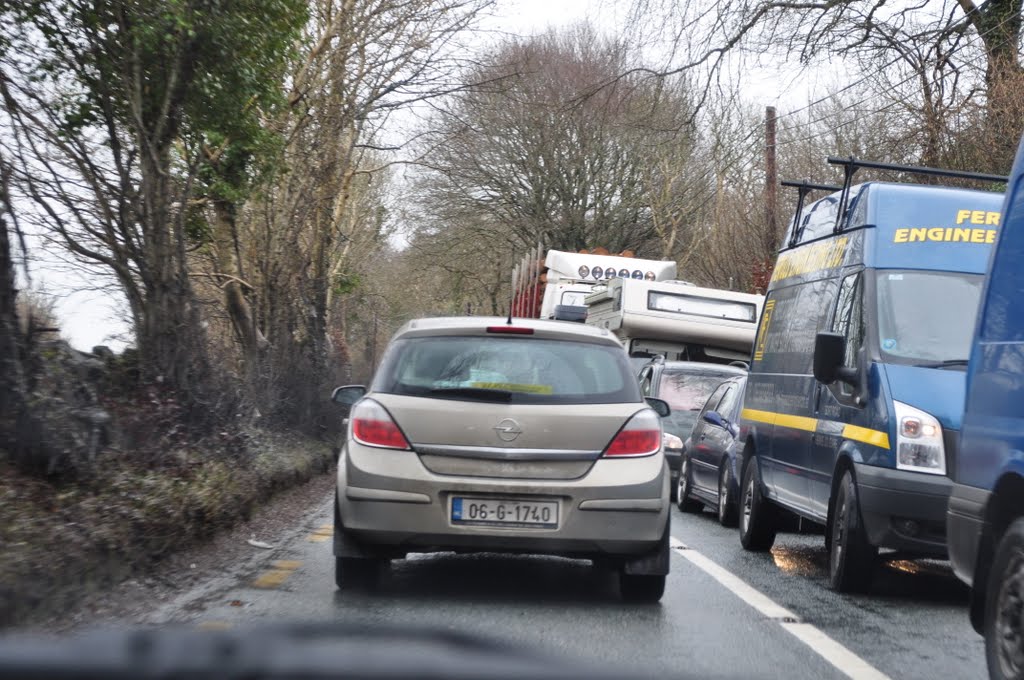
(90, 318)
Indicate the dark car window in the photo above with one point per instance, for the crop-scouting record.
(531, 371)
(727, 407)
(687, 393)
(712, 402)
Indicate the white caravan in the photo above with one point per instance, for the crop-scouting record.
(677, 320)
(569, 277)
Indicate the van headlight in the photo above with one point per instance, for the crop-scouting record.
(919, 444)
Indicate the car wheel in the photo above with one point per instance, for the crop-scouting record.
(683, 500)
(759, 519)
(1004, 607)
(356, 572)
(641, 588)
(851, 563)
(726, 504)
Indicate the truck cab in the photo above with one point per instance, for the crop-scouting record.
(853, 404)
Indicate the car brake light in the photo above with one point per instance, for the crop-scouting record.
(372, 425)
(640, 437)
(512, 330)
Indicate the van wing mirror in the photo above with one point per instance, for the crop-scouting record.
(348, 395)
(829, 353)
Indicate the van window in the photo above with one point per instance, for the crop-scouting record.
(797, 315)
(927, 317)
(849, 320)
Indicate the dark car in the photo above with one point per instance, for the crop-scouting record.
(710, 474)
(686, 386)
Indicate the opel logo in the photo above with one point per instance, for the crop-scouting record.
(508, 430)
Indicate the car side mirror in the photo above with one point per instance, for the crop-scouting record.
(829, 353)
(715, 418)
(348, 395)
(660, 406)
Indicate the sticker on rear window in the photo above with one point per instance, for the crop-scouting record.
(513, 387)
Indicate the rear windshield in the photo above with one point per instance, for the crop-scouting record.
(521, 370)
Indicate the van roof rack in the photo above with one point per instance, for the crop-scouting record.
(851, 165)
(804, 187)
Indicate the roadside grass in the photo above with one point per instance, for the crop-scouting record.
(61, 540)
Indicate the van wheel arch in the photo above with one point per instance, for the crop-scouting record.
(1005, 505)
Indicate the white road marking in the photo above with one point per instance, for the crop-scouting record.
(839, 656)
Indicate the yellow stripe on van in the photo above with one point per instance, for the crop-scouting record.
(852, 432)
(863, 434)
(758, 416)
(783, 419)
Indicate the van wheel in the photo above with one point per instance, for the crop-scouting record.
(851, 563)
(726, 503)
(683, 486)
(759, 519)
(1004, 607)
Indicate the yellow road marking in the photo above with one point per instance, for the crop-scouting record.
(324, 533)
(272, 578)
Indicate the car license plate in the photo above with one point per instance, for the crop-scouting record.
(505, 512)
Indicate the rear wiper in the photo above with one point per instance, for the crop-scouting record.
(482, 393)
(944, 363)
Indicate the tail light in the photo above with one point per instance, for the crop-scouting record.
(640, 437)
(372, 425)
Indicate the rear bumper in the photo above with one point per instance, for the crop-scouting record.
(965, 528)
(388, 499)
(904, 510)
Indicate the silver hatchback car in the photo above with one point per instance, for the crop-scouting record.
(485, 435)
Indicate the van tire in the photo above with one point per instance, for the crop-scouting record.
(1003, 598)
(851, 559)
(759, 518)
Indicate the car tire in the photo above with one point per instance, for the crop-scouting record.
(851, 559)
(727, 514)
(683, 485)
(673, 488)
(1004, 599)
(641, 588)
(759, 518)
(356, 572)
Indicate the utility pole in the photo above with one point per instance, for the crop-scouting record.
(771, 182)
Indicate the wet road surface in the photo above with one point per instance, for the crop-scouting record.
(725, 614)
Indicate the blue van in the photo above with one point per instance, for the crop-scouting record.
(986, 506)
(855, 393)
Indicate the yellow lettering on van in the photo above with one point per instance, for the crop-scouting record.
(977, 217)
(992, 218)
(918, 234)
(978, 235)
(990, 236)
(962, 234)
(935, 234)
(901, 235)
(962, 215)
